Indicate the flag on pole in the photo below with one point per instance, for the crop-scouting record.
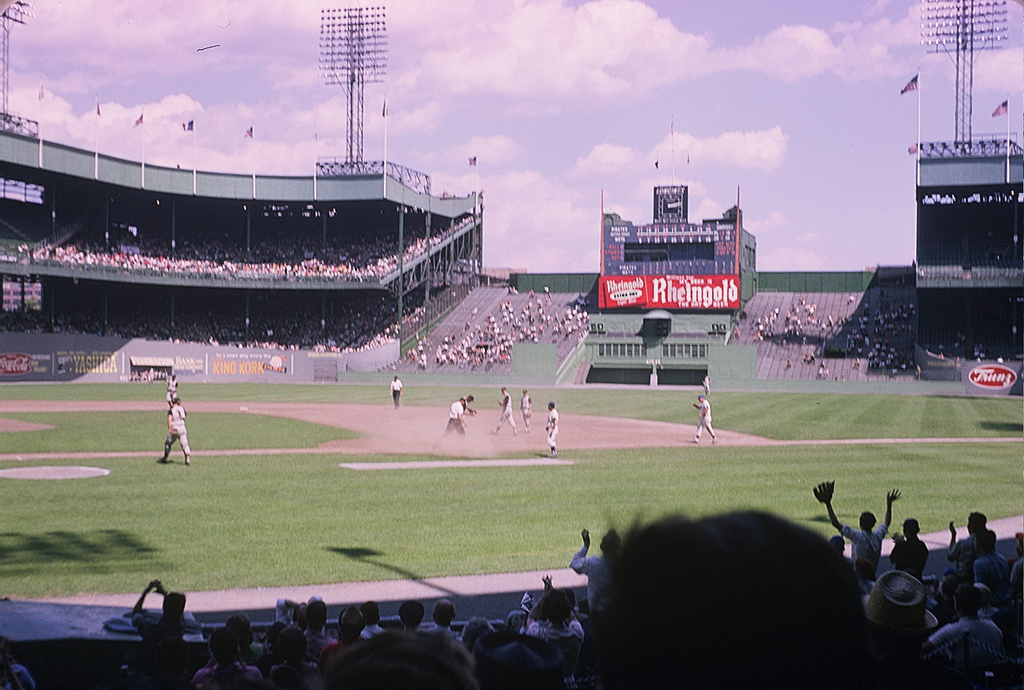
(138, 122)
(187, 126)
(913, 149)
(1001, 110)
(656, 164)
(911, 85)
(97, 107)
(42, 92)
(248, 133)
(384, 112)
(472, 161)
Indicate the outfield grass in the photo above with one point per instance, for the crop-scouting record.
(251, 520)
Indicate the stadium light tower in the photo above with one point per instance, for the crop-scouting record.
(16, 11)
(961, 28)
(353, 52)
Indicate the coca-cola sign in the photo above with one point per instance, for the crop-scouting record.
(14, 363)
(992, 376)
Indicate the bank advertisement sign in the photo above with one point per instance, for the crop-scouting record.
(669, 292)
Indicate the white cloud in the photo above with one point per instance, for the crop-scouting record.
(604, 160)
(756, 150)
(775, 220)
(790, 259)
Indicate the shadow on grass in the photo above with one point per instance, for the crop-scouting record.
(1008, 427)
(368, 556)
(103, 550)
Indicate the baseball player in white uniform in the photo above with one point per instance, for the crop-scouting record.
(506, 412)
(526, 408)
(176, 431)
(704, 419)
(552, 428)
(172, 388)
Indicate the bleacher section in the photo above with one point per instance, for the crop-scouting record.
(478, 334)
(831, 335)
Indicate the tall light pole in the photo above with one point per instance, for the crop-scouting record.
(961, 28)
(353, 52)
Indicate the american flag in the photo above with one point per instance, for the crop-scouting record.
(1001, 110)
(188, 126)
(138, 122)
(472, 161)
(248, 133)
(911, 85)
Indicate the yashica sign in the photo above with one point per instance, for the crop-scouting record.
(670, 292)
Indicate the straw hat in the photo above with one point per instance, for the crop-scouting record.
(897, 605)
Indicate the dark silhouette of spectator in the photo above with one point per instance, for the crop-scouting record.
(475, 628)
(865, 575)
(397, 659)
(511, 661)
(985, 640)
(442, 616)
(866, 541)
(597, 568)
(962, 552)
(741, 600)
(552, 620)
(240, 624)
(15, 676)
(899, 622)
(154, 628)
(350, 626)
(316, 620)
(371, 616)
(991, 568)
(411, 614)
(909, 553)
(292, 646)
(226, 666)
(943, 605)
(272, 656)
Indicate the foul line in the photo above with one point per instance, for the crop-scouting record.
(443, 464)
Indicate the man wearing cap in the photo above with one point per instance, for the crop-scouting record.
(703, 419)
(176, 431)
(909, 553)
(898, 623)
(456, 417)
(552, 428)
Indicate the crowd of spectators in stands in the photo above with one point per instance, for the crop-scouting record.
(801, 324)
(265, 261)
(744, 599)
(488, 340)
(886, 337)
(357, 323)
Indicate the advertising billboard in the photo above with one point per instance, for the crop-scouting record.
(669, 292)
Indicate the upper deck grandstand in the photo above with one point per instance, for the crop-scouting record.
(130, 250)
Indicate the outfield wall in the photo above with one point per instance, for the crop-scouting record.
(42, 357)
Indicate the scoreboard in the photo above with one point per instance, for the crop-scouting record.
(670, 263)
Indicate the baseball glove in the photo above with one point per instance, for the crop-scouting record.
(824, 491)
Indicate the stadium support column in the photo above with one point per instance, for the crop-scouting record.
(174, 229)
(248, 232)
(426, 289)
(401, 268)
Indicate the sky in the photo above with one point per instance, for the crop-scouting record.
(793, 108)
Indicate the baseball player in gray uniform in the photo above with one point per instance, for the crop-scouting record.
(176, 431)
(172, 388)
(506, 412)
(552, 428)
(704, 419)
(526, 408)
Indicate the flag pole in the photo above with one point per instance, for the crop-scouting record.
(193, 157)
(918, 175)
(384, 172)
(96, 143)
